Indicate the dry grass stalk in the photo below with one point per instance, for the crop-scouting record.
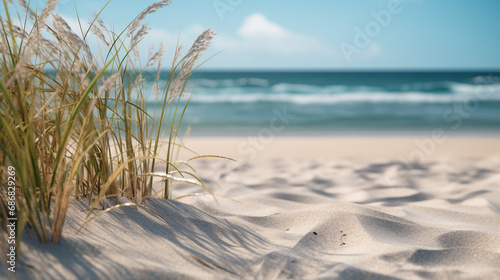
(78, 131)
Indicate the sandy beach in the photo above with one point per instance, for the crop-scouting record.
(300, 208)
(228, 140)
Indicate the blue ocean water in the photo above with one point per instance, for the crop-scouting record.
(324, 103)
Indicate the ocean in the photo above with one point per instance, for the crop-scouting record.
(343, 103)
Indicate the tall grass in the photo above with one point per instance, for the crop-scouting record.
(75, 124)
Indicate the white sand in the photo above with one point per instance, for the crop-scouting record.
(302, 208)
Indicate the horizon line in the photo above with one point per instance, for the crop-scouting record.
(348, 70)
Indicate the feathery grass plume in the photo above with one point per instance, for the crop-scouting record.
(47, 11)
(137, 54)
(177, 54)
(97, 28)
(149, 10)
(181, 79)
(48, 46)
(176, 91)
(135, 39)
(64, 31)
(199, 46)
(36, 42)
(19, 32)
(27, 9)
(109, 84)
(138, 80)
(157, 58)
(139, 35)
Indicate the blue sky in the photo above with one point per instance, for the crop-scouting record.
(316, 34)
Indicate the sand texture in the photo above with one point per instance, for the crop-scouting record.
(296, 217)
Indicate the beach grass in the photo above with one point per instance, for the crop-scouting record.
(76, 124)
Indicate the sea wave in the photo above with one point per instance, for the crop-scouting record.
(354, 97)
(252, 82)
(428, 87)
(450, 87)
(251, 90)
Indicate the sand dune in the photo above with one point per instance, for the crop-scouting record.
(306, 218)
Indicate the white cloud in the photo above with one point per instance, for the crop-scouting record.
(157, 36)
(259, 34)
(257, 25)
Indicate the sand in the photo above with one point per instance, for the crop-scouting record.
(301, 208)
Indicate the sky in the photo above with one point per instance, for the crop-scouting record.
(318, 34)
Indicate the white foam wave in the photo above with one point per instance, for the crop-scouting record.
(444, 86)
(359, 97)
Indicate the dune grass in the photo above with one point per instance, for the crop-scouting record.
(75, 124)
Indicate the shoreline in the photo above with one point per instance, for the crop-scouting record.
(253, 148)
(357, 134)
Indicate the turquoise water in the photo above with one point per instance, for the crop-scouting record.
(316, 103)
